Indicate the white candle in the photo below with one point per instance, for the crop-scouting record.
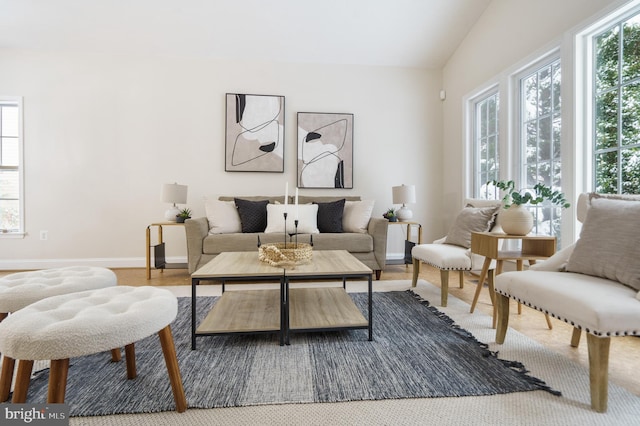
(296, 203)
(286, 195)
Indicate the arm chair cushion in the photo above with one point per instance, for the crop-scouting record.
(557, 262)
(470, 219)
(599, 306)
(608, 244)
(443, 256)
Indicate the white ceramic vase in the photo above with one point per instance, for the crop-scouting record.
(516, 220)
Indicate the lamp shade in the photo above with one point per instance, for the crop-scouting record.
(404, 194)
(174, 193)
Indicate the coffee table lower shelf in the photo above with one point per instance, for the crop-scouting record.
(256, 311)
(246, 311)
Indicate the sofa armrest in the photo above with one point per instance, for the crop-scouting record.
(378, 228)
(196, 230)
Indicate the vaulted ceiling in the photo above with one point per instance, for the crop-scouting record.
(405, 33)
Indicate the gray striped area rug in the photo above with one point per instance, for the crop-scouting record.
(417, 352)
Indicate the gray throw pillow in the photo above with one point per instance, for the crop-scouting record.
(330, 216)
(253, 215)
(470, 219)
(609, 242)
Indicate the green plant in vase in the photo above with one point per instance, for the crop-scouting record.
(516, 219)
(183, 215)
(390, 215)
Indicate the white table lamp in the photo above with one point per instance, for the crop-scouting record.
(404, 195)
(174, 194)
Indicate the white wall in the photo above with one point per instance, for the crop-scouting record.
(103, 133)
(508, 32)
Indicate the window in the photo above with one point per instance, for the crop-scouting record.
(616, 108)
(540, 125)
(10, 167)
(485, 144)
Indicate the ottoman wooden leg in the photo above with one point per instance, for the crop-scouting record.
(6, 377)
(116, 355)
(22, 381)
(170, 358)
(3, 315)
(130, 355)
(58, 381)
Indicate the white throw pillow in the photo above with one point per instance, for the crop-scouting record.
(223, 216)
(557, 262)
(307, 218)
(357, 215)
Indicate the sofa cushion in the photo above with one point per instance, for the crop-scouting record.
(470, 219)
(598, 305)
(307, 218)
(253, 214)
(330, 216)
(222, 216)
(356, 215)
(219, 243)
(608, 244)
(352, 242)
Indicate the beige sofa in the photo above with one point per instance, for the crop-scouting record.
(369, 246)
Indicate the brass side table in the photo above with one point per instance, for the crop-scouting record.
(487, 244)
(159, 253)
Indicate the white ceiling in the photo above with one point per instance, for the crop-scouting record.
(406, 33)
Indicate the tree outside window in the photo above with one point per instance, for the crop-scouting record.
(617, 108)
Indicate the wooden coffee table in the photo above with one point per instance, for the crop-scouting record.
(285, 310)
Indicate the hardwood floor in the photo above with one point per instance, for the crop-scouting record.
(624, 359)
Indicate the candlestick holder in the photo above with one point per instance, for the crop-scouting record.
(295, 222)
(285, 229)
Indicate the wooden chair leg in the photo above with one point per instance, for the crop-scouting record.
(444, 287)
(575, 337)
(461, 278)
(416, 272)
(598, 371)
(6, 377)
(173, 369)
(58, 381)
(502, 303)
(116, 355)
(130, 355)
(483, 275)
(22, 381)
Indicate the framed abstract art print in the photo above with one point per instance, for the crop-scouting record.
(254, 140)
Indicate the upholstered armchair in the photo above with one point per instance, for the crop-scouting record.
(593, 284)
(452, 253)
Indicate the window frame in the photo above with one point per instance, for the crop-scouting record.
(584, 99)
(18, 101)
(471, 160)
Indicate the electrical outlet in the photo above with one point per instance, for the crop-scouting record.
(44, 235)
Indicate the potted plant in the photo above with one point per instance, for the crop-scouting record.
(390, 215)
(516, 219)
(183, 215)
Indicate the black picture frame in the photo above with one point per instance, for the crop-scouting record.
(325, 150)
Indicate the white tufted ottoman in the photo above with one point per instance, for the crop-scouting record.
(84, 323)
(24, 288)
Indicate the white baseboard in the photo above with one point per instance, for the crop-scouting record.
(31, 264)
